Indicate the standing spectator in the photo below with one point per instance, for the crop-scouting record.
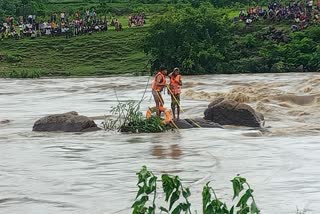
(21, 21)
(62, 16)
(21, 27)
(53, 17)
(116, 25)
(316, 16)
(94, 16)
(30, 19)
(303, 19)
(77, 15)
(87, 15)
(8, 20)
(318, 4)
(11, 20)
(309, 8)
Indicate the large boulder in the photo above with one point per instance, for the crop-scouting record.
(229, 112)
(67, 122)
(195, 123)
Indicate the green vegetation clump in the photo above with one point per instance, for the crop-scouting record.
(194, 39)
(178, 196)
(128, 118)
(206, 40)
(302, 53)
(141, 124)
(21, 74)
(11, 58)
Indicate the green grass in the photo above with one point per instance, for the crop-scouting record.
(116, 9)
(101, 53)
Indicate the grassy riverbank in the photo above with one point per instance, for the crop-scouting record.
(197, 38)
(97, 54)
(256, 49)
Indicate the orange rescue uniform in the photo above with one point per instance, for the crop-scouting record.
(175, 86)
(155, 87)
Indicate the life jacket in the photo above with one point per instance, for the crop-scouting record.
(154, 83)
(175, 86)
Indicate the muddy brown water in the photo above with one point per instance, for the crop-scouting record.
(95, 172)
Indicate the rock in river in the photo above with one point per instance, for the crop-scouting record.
(67, 122)
(4, 121)
(195, 123)
(229, 112)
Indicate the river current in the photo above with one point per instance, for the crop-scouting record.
(95, 172)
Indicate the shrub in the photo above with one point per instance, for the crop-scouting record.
(21, 74)
(128, 118)
(12, 58)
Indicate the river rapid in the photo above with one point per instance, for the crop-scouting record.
(95, 172)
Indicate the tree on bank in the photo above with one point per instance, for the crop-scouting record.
(21, 8)
(194, 39)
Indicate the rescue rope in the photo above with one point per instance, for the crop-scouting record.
(180, 106)
(145, 90)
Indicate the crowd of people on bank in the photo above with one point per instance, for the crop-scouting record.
(301, 13)
(57, 24)
(136, 20)
(62, 23)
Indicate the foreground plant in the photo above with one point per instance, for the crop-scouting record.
(147, 186)
(173, 188)
(177, 196)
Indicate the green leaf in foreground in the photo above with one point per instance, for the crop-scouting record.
(175, 193)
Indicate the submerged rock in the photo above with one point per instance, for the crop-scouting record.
(4, 121)
(195, 123)
(182, 124)
(67, 122)
(229, 112)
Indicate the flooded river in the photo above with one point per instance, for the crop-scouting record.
(95, 172)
